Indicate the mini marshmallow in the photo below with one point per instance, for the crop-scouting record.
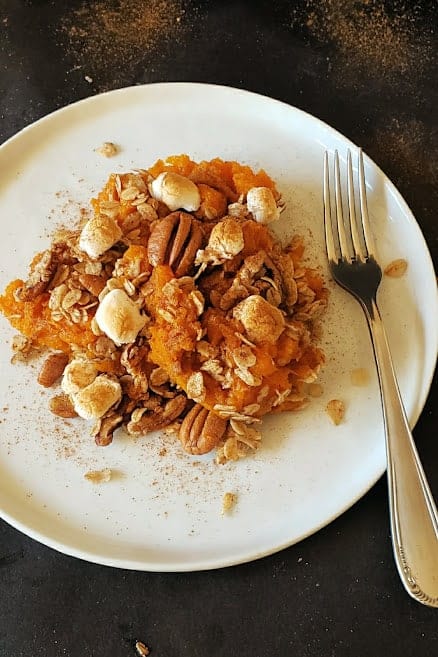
(119, 318)
(262, 321)
(96, 399)
(175, 191)
(226, 239)
(261, 203)
(77, 375)
(98, 235)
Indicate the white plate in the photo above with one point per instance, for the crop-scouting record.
(164, 512)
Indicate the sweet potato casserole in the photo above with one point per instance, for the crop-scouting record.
(175, 305)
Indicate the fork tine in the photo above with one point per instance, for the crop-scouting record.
(357, 244)
(345, 250)
(328, 226)
(369, 240)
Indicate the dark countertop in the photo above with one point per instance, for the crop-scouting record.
(367, 69)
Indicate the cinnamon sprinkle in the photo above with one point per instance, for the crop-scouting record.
(369, 36)
(113, 38)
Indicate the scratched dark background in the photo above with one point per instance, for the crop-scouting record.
(369, 70)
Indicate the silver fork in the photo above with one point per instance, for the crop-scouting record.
(353, 265)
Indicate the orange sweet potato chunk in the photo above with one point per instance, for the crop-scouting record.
(33, 319)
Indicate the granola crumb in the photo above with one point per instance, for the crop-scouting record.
(359, 376)
(108, 149)
(99, 477)
(396, 268)
(228, 502)
(142, 649)
(23, 349)
(336, 410)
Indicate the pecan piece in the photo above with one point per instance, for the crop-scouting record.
(52, 369)
(44, 270)
(174, 241)
(92, 283)
(201, 430)
(39, 278)
(105, 427)
(153, 416)
(62, 406)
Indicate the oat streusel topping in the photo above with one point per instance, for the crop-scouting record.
(175, 306)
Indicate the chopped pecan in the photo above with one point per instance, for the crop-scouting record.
(62, 406)
(152, 416)
(44, 270)
(39, 279)
(134, 359)
(52, 369)
(201, 430)
(174, 241)
(105, 427)
(160, 384)
(92, 283)
(243, 283)
(282, 268)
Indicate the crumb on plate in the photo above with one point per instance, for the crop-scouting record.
(228, 502)
(98, 476)
(336, 410)
(396, 268)
(108, 149)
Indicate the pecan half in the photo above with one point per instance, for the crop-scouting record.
(52, 369)
(201, 430)
(174, 241)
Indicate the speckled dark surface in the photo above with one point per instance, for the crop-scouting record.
(337, 593)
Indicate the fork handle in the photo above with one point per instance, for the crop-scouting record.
(413, 514)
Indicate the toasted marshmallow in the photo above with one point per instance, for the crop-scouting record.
(262, 321)
(175, 191)
(119, 318)
(77, 375)
(98, 235)
(226, 238)
(261, 203)
(96, 399)
(225, 242)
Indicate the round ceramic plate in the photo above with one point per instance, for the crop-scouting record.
(162, 508)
